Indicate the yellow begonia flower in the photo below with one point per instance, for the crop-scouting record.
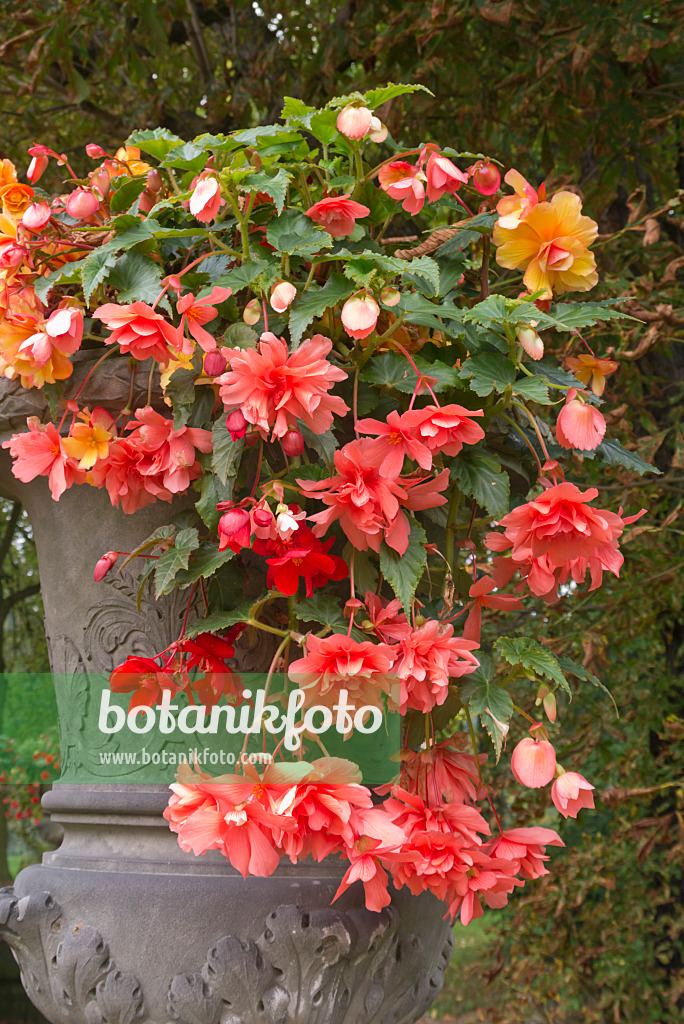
(87, 443)
(551, 246)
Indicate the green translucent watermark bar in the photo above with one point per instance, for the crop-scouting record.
(72, 728)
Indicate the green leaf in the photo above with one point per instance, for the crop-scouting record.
(240, 335)
(294, 233)
(585, 676)
(137, 278)
(614, 454)
(203, 563)
(187, 157)
(127, 193)
(173, 560)
(376, 97)
(240, 277)
(492, 703)
(323, 608)
(274, 186)
(532, 657)
(225, 459)
(325, 444)
(394, 371)
(181, 391)
(70, 273)
(255, 136)
(293, 107)
(488, 372)
(534, 389)
(425, 266)
(156, 141)
(403, 572)
(472, 229)
(221, 620)
(323, 126)
(492, 310)
(420, 310)
(95, 268)
(311, 305)
(212, 491)
(571, 316)
(481, 477)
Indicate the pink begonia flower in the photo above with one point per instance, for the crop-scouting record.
(63, 331)
(359, 315)
(481, 593)
(557, 536)
(206, 200)
(378, 131)
(533, 763)
(235, 529)
(12, 254)
(579, 425)
(367, 504)
(525, 848)
(282, 295)
(214, 364)
(82, 204)
(169, 453)
(196, 312)
(396, 441)
(337, 214)
(443, 774)
(236, 424)
(37, 216)
(446, 428)
(354, 122)
(513, 209)
(274, 388)
(426, 658)
(105, 564)
(442, 176)
(40, 452)
(338, 662)
(141, 332)
(490, 879)
(531, 342)
(405, 183)
(570, 793)
(375, 838)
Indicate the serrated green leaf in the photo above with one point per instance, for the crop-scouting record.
(311, 305)
(488, 372)
(262, 133)
(181, 390)
(533, 657)
(240, 277)
(403, 572)
(472, 229)
(155, 141)
(584, 675)
(481, 477)
(394, 371)
(136, 277)
(240, 335)
(70, 273)
(225, 458)
(491, 703)
(323, 608)
(273, 185)
(173, 560)
(127, 193)
(293, 107)
(294, 233)
(96, 267)
(420, 310)
(376, 97)
(203, 563)
(614, 454)
(493, 309)
(188, 157)
(572, 316)
(325, 444)
(534, 389)
(221, 620)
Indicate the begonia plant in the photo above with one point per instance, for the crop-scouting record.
(364, 371)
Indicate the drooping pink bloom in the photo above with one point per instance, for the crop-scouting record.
(579, 424)
(481, 594)
(359, 315)
(39, 161)
(405, 183)
(513, 209)
(105, 564)
(426, 658)
(308, 559)
(490, 879)
(234, 529)
(274, 388)
(168, 453)
(531, 342)
(396, 441)
(337, 214)
(63, 331)
(37, 216)
(559, 535)
(197, 312)
(126, 485)
(139, 331)
(386, 617)
(533, 762)
(206, 201)
(443, 774)
(282, 295)
(40, 452)
(446, 428)
(82, 204)
(236, 424)
(339, 662)
(367, 504)
(354, 122)
(376, 839)
(442, 176)
(144, 680)
(524, 848)
(570, 793)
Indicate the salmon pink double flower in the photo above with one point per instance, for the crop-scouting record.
(206, 199)
(273, 388)
(337, 214)
(425, 659)
(140, 332)
(41, 452)
(338, 662)
(405, 183)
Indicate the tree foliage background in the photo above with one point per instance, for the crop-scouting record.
(585, 94)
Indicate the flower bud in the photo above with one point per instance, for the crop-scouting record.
(104, 564)
(263, 517)
(147, 201)
(82, 204)
(531, 342)
(36, 168)
(570, 793)
(282, 295)
(533, 763)
(251, 438)
(292, 442)
(12, 255)
(100, 182)
(36, 216)
(214, 365)
(234, 529)
(236, 424)
(154, 180)
(252, 312)
(486, 177)
(94, 151)
(390, 296)
(354, 122)
(360, 315)
(378, 130)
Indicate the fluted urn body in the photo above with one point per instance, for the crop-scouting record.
(119, 925)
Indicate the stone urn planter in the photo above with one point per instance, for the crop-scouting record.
(119, 925)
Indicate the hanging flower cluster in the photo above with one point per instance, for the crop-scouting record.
(368, 431)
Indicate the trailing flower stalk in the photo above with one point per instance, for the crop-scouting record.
(371, 435)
